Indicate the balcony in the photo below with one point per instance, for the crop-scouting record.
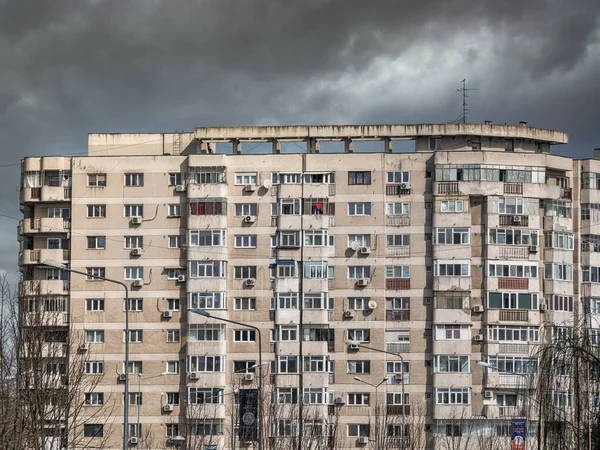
(48, 319)
(397, 347)
(398, 410)
(55, 194)
(397, 284)
(398, 252)
(397, 220)
(513, 188)
(497, 411)
(29, 257)
(513, 316)
(513, 283)
(513, 252)
(55, 254)
(566, 194)
(513, 220)
(451, 283)
(397, 189)
(448, 187)
(402, 315)
(396, 378)
(515, 348)
(43, 287)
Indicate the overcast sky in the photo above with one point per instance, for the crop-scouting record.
(72, 67)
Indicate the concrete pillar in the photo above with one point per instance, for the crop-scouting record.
(204, 147)
(237, 146)
(314, 145)
(276, 146)
(388, 145)
(348, 145)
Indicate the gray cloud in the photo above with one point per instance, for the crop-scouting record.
(72, 67)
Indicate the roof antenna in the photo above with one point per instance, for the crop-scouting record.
(465, 109)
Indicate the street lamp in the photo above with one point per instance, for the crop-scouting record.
(359, 344)
(57, 265)
(205, 313)
(376, 386)
(138, 400)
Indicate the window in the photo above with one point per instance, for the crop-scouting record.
(134, 179)
(452, 332)
(453, 396)
(588, 210)
(359, 209)
(289, 239)
(453, 268)
(244, 335)
(435, 143)
(94, 304)
(93, 430)
(207, 238)
(174, 210)
(207, 269)
(359, 335)
(319, 206)
(590, 274)
(359, 272)
(245, 303)
(398, 240)
(593, 306)
(451, 206)
(359, 178)
(94, 399)
(484, 172)
(315, 269)
(96, 179)
(397, 271)
(136, 304)
(288, 300)
(398, 177)
(513, 333)
(245, 241)
(174, 274)
(208, 427)
(244, 366)
(286, 396)
(359, 303)
(398, 367)
(286, 270)
(501, 236)
(558, 208)
(206, 363)
(207, 207)
(563, 240)
(510, 205)
(290, 206)
(246, 209)
(319, 178)
(134, 210)
(509, 269)
(358, 399)
(134, 242)
(285, 428)
(172, 336)
(245, 178)
(363, 240)
(94, 336)
(207, 300)
(93, 273)
(135, 336)
(134, 367)
(243, 272)
(205, 395)
(59, 213)
(512, 300)
(516, 364)
(94, 367)
(395, 398)
(562, 272)
(134, 273)
(175, 179)
(287, 364)
(359, 367)
(452, 235)
(96, 211)
(173, 304)
(287, 333)
(397, 208)
(316, 301)
(451, 300)
(509, 145)
(359, 430)
(207, 175)
(562, 334)
(172, 367)
(135, 398)
(451, 364)
(96, 242)
(172, 399)
(562, 399)
(315, 396)
(174, 241)
(206, 332)
(315, 238)
(315, 363)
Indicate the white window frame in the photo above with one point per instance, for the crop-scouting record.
(448, 268)
(199, 238)
(398, 177)
(207, 269)
(507, 204)
(133, 273)
(244, 303)
(359, 208)
(96, 211)
(174, 210)
(131, 242)
(133, 210)
(245, 240)
(206, 332)
(452, 206)
(207, 300)
(244, 178)
(134, 179)
(246, 209)
(315, 238)
(357, 272)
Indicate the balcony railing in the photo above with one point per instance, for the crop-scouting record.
(513, 283)
(510, 252)
(397, 347)
(448, 187)
(511, 411)
(36, 193)
(398, 252)
(514, 316)
(397, 189)
(396, 378)
(566, 194)
(513, 188)
(398, 410)
(514, 220)
(66, 255)
(397, 315)
(397, 220)
(397, 284)
(511, 380)
(331, 189)
(518, 349)
(67, 192)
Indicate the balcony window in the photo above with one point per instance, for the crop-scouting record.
(452, 268)
(207, 238)
(206, 363)
(397, 271)
(398, 177)
(484, 172)
(589, 243)
(207, 175)
(500, 236)
(590, 180)
(289, 239)
(316, 301)
(453, 396)
(288, 300)
(202, 396)
(557, 208)
(319, 206)
(510, 205)
(564, 272)
(316, 269)
(315, 238)
(286, 177)
(315, 396)
(31, 179)
(512, 300)
(315, 363)
(207, 300)
(208, 207)
(398, 240)
(319, 178)
(512, 364)
(287, 364)
(206, 332)
(452, 332)
(513, 333)
(397, 208)
(207, 269)
(510, 269)
(451, 206)
(451, 236)
(451, 364)
(590, 211)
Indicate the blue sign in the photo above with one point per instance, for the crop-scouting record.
(519, 434)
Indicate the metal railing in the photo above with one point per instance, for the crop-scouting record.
(513, 188)
(398, 252)
(514, 316)
(397, 347)
(448, 187)
(513, 283)
(510, 251)
(397, 220)
(397, 315)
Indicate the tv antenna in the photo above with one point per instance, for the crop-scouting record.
(465, 96)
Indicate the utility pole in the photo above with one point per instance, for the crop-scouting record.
(465, 106)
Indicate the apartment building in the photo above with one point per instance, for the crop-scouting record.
(378, 280)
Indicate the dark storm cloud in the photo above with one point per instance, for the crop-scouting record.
(73, 67)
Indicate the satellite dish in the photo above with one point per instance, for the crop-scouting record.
(354, 245)
(372, 304)
(267, 184)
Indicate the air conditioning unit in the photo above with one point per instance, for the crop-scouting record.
(543, 307)
(180, 188)
(133, 440)
(348, 314)
(83, 347)
(404, 185)
(180, 278)
(478, 308)
(488, 394)
(136, 252)
(250, 282)
(354, 347)
(399, 376)
(138, 283)
(250, 188)
(363, 440)
(194, 376)
(249, 219)
(339, 401)
(365, 250)
(533, 249)
(516, 219)
(136, 220)
(168, 408)
(362, 282)
(167, 314)
(122, 376)
(478, 338)
(249, 377)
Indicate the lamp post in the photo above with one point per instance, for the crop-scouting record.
(358, 344)
(139, 397)
(376, 386)
(205, 313)
(57, 265)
